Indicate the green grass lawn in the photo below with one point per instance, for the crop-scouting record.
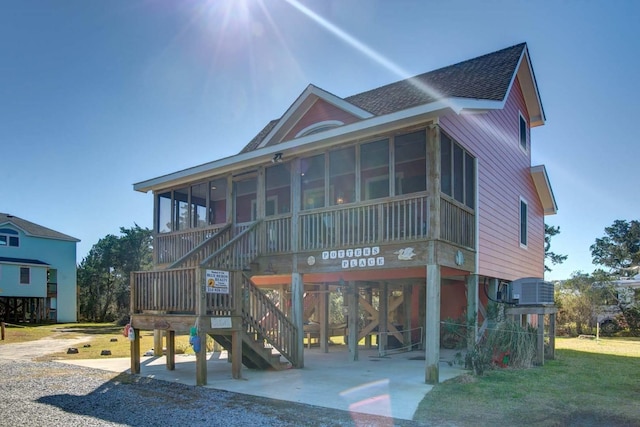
(588, 383)
(100, 336)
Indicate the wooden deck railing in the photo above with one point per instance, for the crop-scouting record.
(170, 247)
(207, 247)
(170, 291)
(373, 222)
(264, 319)
(237, 253)
(457, 223)
(391, 220)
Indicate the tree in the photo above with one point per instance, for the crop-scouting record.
(549, 232)
(103, 275)
(619, 249)
(578, 298)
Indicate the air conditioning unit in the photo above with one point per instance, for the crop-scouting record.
(531, 291)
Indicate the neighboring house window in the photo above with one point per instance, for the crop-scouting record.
(25, 275)
(457, 171)
(523, 133)
(9, 237)
(524, 218)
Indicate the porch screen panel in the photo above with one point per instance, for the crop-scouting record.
(181, 209)
(278, 185)
(374, 170)
(164, 213)
(445, 165)
(312, 182)
(218, 201)
(410, 162)
(199, 205)
(342, 176)
(246, 198)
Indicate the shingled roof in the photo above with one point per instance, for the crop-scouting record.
(34, 229)
(486, 77)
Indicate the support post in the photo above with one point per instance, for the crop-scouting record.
(383, 319)
(135, 352)
(324, 317)
(369, 298)
(2, 330)
(552, 336)
(236, 355)
(201, 309)
(407, 291)
(297, 314)
(472, 310)
(353, 321)
(541, 339)
(432, 325)
(171, 350)
(157, 342)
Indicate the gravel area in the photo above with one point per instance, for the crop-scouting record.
(55, 394)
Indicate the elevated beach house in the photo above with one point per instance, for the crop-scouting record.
(410, 200)
(37, 273)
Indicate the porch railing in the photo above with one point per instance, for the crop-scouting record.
(207, 247)
(169, 291)
(237, 253)
(170, 247)
(457, 223)
(367, 223)
(380, 221)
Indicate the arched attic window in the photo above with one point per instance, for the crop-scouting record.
(319, 127)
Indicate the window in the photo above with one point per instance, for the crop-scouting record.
(9, 237)
(523, 133)
(25, 275)
(457, 171)
(523, 222)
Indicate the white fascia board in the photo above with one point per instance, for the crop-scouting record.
(361, 129)
(314, 91)
(543, 187)
(529, 89)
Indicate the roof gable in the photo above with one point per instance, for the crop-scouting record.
(31, 229)
(301, 107)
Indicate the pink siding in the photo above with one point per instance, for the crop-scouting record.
(503, 177)
(320, 111)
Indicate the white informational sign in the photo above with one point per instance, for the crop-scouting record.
(217, 282)
(220, 322)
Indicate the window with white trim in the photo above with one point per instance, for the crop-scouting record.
(523, 133)
(25, 275)
(9, 237)
(524, 219)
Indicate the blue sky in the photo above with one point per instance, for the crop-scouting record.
(97, 95)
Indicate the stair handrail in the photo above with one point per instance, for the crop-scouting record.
(193, 252)
(264, 318)
(231, 243)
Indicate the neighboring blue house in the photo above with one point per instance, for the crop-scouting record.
(37, 272)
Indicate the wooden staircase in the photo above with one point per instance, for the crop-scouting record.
(267, 333)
